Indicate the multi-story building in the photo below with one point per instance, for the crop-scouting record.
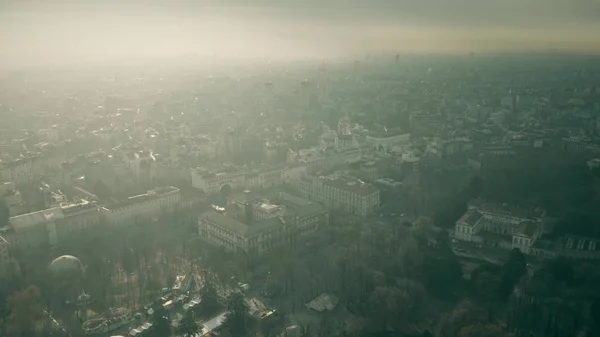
(25, 170)
(69, 222)
(19, 171)
(267, 230)
(56, 225)
(79, 220)
(347, 194)
(468, 225)
(385, 143)
(502, 225)
(579, 247)
(142, 165)
(143, 207)
(36, 231)
(211, 182)
(12, 198)
(344, 142)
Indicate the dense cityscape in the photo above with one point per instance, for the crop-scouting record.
(395, 195)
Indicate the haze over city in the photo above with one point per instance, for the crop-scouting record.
(316, 168)
(33, 32)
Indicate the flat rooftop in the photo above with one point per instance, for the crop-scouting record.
(136, 199)
(352, 185)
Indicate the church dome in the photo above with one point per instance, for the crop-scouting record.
(66, 265)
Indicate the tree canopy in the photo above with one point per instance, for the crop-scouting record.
(161, 322)
(238, 322)
(188, 326)
(210, 302)
(25, 309)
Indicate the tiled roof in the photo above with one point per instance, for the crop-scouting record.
(471, 218)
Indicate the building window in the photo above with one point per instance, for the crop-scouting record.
(569, 244)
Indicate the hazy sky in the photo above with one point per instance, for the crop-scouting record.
(33, 31)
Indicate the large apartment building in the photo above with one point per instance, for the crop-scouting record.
(347, 194)
(56, 225)
(72, 221)
(143, 207)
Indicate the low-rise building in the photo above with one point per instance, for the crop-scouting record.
(579, 247)
(525, 235)
(468, 225)
(500, 225)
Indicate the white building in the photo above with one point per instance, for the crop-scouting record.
(143, 207)
(501, 225)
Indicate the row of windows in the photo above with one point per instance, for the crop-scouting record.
(499, 230)
(222, 241)
(218, 229)
(521, 241)
(265, 240)
(580, 244)
(462, 229)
